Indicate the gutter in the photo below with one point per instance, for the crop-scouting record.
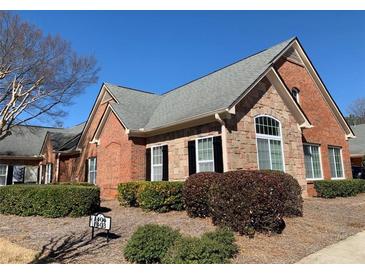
(143, 132)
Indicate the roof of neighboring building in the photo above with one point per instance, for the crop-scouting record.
(28, 140)
(357, 145)
(215, 91)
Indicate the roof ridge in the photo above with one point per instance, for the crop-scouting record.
(132, 89)
(39, 126)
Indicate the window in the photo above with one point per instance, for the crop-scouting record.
(156, 163)
(312, 162)
(18, 174)
(269, 143)
(48, 177)
(91, 176)
(295, 94)
(204, 154)
(335, 158)
(3, 174)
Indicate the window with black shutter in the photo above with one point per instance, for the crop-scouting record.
(192, 157)
(218, 155)
(165, 163)
(148, 164)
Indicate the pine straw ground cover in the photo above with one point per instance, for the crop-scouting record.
(67, 240)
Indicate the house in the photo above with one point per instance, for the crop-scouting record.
(29, 153)
(357, 145)
(270, 110)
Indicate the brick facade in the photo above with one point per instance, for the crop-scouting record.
(326, 130)
(121, 158)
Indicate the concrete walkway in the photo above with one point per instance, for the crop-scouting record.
(348, 251)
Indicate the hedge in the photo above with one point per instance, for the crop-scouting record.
(212, 248)
(158, 196)
(196, 193)
(150, 243)
(49, 200)
(339, 188)
(249, 201)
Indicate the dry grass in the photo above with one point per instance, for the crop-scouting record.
(14, 254)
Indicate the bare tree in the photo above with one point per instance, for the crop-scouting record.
(39, 74)
(357, 112)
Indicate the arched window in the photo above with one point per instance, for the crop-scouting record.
(295, 93)
(269, 143)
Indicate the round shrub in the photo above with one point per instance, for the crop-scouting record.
(49, 200)
(160, 196)
(292, 194)
(150, 243)
(195, 193)
(212, 248)
(247, 201)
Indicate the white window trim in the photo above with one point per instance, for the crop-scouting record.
(320, 162)
(155, 165)
(269, 137)
(343, 171)
(197, 162)
(6, 174)
(89, 172)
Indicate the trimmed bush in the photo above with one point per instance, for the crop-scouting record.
(292, 194)
(150, 243)
(49, 200)
(160, 196)
(339, 188)
(248, 201)
(195, 193)
(212, 248)
(127, 193)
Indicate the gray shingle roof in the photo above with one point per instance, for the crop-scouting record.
(357, 145)
(28, 140)
(216, 91)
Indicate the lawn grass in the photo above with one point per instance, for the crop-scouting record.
(14, 254)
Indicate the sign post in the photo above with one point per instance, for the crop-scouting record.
(100, 221)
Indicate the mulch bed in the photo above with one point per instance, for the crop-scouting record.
(68, 240)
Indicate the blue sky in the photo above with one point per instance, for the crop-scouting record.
(160, 50)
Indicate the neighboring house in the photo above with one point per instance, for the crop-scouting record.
(23, 154)
(357, 145)
(268, 111)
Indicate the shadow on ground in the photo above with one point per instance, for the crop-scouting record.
(66, 248)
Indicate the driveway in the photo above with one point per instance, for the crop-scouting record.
(348, 251)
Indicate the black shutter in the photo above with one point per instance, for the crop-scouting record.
(218, 155)
(9, 179)
(51, 180)
(165, 163)
(86, 170)
(148, 164)
(192, 158)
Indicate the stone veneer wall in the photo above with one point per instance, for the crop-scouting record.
(241, 135)
(177, 142)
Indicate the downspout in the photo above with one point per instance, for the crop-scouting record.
(224, 141)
